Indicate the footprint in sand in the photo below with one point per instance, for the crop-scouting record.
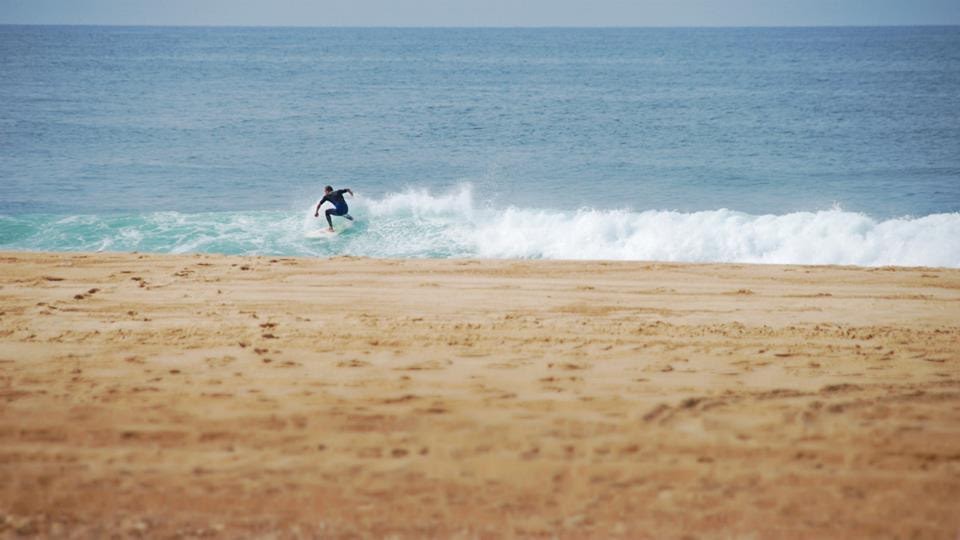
(353, 363)
(427, 365)
(289, 364)
(221, 361)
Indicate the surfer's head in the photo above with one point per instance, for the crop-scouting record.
(327, 189)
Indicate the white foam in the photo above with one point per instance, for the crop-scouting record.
(420, 203)
(824, 237)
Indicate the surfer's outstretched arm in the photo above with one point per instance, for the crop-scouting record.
(316, 212)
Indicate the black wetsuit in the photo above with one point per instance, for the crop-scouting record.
(339, 205)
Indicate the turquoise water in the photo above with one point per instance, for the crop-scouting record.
(816, 145)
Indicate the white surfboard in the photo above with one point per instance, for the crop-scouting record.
(320, 233)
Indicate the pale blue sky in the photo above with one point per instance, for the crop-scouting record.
(482, 12)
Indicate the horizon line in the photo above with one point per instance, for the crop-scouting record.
(485, 27)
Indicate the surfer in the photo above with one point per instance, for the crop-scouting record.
(339, 204)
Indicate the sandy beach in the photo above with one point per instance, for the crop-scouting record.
(200, 395)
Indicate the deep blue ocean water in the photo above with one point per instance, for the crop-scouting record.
(785, 145)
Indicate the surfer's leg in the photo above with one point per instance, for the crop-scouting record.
(328, 213)
(339, 211)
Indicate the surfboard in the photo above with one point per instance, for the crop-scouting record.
(321, 233)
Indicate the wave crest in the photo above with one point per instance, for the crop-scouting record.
(417, 223)
(824, 237)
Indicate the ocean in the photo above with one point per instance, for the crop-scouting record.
(767, 145)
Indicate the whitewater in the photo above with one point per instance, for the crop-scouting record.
(416, 223)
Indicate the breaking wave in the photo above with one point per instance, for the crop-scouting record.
(420, 224)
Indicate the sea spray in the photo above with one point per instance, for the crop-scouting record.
(417, 223)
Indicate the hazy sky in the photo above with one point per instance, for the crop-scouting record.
(482, 12)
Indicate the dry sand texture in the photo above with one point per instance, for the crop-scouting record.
(237, 397)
